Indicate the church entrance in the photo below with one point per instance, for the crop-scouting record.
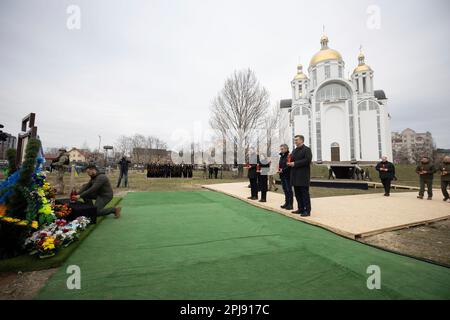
(335, 152)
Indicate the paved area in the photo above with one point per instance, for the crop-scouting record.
(354, 216)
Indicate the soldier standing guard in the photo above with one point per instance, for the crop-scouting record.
(61, 164)
(444, 169)
(426, 171)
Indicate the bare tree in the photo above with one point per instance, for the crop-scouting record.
(401, 155)
(239, 108)
(138, 142)
(123, 145)
(271, 122)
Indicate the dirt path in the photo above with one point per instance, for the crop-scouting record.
(23, 286)
(430, 241)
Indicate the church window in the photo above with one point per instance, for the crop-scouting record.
(340, 71)
(315, 77)
(318, 132)
(327, 71)
(352, 132)
(364, 84)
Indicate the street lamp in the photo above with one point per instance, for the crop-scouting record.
(99, 143)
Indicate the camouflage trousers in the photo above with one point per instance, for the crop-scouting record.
(60, 181)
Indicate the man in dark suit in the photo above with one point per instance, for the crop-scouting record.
(253, 174)
(300, 175)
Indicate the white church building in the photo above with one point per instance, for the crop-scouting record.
(343, 120)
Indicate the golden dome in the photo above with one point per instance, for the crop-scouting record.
(325, 53)
(362, 68)
(300, 75)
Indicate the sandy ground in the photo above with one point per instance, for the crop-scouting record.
(431, 241)
(22, 286)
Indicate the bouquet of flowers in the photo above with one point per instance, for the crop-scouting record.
(62, 210)
(57, 235)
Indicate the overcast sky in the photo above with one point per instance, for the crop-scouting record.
(151, 67)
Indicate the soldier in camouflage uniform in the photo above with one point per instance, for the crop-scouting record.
(426, 171)
(444, 170)
(61, 164)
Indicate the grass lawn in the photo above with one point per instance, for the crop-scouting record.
(206, 245)
(26, 262)
(138, 181)
(406, 175)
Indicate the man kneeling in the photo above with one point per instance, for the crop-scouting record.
(98, 189)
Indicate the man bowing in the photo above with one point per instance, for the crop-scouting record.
(300, 163)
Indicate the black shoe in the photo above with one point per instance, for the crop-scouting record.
(262, 200)
(296, 212)
(386, 194)
(430, 198)
(252, 198)
(289, 208)
(284, 206)
(306, 214)
(420, 197)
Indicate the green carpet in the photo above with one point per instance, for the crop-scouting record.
(205, 245)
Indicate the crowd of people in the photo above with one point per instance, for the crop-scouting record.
(169, 170)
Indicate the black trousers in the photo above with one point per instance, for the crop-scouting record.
(444, 186)
(387, 185)
(262, 184)
(287, 189)
(254, 187)
(303, 199)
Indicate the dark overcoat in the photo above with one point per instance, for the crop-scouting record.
(301, 171)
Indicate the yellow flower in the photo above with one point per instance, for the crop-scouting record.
(22, 223)
(34, 224)
(41, 192)
(49, 243)
(9, 219)
(46, 209)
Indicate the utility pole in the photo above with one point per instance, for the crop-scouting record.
(99, 143)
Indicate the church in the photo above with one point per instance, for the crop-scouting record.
(342, 120)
